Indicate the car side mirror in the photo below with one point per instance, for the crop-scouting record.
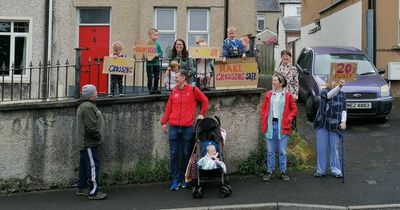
(381, 71)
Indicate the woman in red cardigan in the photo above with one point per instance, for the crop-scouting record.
(277, 112)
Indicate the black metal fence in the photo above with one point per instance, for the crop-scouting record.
(63, 80)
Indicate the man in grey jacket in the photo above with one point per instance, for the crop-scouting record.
(89, 131)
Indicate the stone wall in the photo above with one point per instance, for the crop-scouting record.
(36, 143)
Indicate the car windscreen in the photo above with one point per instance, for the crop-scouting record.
(323, 63)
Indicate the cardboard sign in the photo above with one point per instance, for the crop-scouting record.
(344, 71)
(204, 52)
(145, 49)
(118, 66)
(236, 74)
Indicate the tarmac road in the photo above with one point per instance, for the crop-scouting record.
(372, 177)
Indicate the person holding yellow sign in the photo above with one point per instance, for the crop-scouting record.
(117, 79)
(204, 68)
(330, 119)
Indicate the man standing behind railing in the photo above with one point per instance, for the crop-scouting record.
(89, 131)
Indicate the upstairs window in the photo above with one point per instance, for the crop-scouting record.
(260, 22)
(198, 26)
(165, 22)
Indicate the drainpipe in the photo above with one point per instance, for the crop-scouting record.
(44, 83)
(374, 30)
(226, 14)
(371, 30)
(50, 31)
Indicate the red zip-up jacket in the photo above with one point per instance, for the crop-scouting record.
(289, 112)
(181, 106)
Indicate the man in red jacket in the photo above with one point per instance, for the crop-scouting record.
(180, 113)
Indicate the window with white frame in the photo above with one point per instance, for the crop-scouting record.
(198, 26)
(14, 36)
(165, 22)
(260, 22)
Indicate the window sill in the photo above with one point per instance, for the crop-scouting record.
(16, 80)
(396, 47)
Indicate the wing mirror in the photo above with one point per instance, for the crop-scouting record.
(381, 71)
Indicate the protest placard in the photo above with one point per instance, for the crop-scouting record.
(118, 66)
(236, 74)
(145, 49)
(204, 52)
(344, 71)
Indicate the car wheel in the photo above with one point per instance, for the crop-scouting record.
(310, 109)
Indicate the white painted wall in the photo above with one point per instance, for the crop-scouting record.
(343, 28)
(291, 10)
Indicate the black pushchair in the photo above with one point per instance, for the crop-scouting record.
(208, 131)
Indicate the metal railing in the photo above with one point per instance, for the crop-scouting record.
(64, 80)
(28, 83)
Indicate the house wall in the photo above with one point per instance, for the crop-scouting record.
(333, 33)
(290, 9)
(387, 43)
(32, 11)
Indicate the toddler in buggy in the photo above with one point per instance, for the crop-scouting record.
(209, 145)
(210, 160)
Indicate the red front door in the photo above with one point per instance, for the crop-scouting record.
(97, 40)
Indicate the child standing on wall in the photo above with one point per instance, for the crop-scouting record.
(203, 67)
(117, 79)
(233, 47)
(153, 66)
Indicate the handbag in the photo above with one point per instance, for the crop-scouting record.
(191, 169)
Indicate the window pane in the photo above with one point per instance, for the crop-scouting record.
(193, 37)
(20, 54)
(260, 25)
(4, 53)
(166, 42)
(21, 27)
(165, 19)
(198, 20)
(94, 16)
(5, 26)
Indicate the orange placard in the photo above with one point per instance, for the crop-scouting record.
(144, 49)
(343, 71)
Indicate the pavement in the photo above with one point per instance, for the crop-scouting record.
(371, 181)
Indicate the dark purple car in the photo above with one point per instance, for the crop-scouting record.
(368, 96)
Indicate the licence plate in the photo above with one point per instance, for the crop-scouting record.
(359, 105)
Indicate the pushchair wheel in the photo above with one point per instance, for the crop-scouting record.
(198, 192)
(225, 191)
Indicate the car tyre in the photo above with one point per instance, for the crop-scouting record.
(310, 109)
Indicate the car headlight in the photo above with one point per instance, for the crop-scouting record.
(385, 91)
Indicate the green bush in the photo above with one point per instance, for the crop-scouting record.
(298, 156)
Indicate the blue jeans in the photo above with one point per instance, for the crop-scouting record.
(328, 139)
(180, 140)
(89, 165)
(273, 145)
